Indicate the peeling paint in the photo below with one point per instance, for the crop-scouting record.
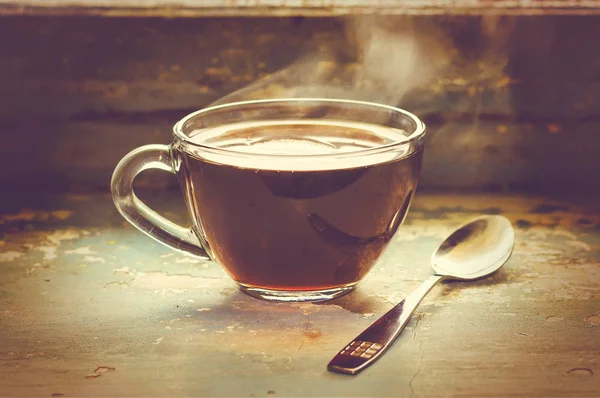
(104, 369)
(80, 250)
(158, 341)
(123, 270)
(9, 256)
(593, 319)
(162, 282)
(49, 252)
(99, 371)
(116, 285)
(550, 285)
(188, 260)
(94, 259)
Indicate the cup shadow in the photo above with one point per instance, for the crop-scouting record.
(236, 307)
(357, 302)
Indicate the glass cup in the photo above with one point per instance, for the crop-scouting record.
(295, 198)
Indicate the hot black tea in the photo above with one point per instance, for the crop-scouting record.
(304, 221)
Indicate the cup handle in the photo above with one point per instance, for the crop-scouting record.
(138, 213)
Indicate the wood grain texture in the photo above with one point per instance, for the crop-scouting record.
(194, 8)
(81, 156)
(516, 108)
(520, 68)
(90, 306)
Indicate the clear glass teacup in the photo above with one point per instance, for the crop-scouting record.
(295, 198)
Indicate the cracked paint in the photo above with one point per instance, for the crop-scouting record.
(140, 293)
(9, 256)
(593, 319)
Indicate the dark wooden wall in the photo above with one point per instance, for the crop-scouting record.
(517, 108)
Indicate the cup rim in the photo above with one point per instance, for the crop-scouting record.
(416, 135)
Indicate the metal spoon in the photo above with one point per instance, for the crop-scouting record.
(475, 250)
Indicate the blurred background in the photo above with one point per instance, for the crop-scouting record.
(509, 90)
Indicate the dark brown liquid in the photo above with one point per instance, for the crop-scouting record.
(306, 229)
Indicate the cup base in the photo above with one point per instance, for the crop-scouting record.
(295, 296)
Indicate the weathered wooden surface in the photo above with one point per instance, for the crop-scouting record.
(514, 106)
(88, 68)
(91, 307)
(81, 156)
(191, 8)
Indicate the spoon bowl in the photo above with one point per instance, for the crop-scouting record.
(475, 249)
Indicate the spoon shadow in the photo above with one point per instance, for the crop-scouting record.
(451, 286)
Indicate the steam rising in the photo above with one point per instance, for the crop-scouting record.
(377, 61)
(382, 59)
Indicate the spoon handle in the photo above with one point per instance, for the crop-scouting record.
(368, 346)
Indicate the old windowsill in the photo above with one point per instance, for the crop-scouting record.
(194, 8)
